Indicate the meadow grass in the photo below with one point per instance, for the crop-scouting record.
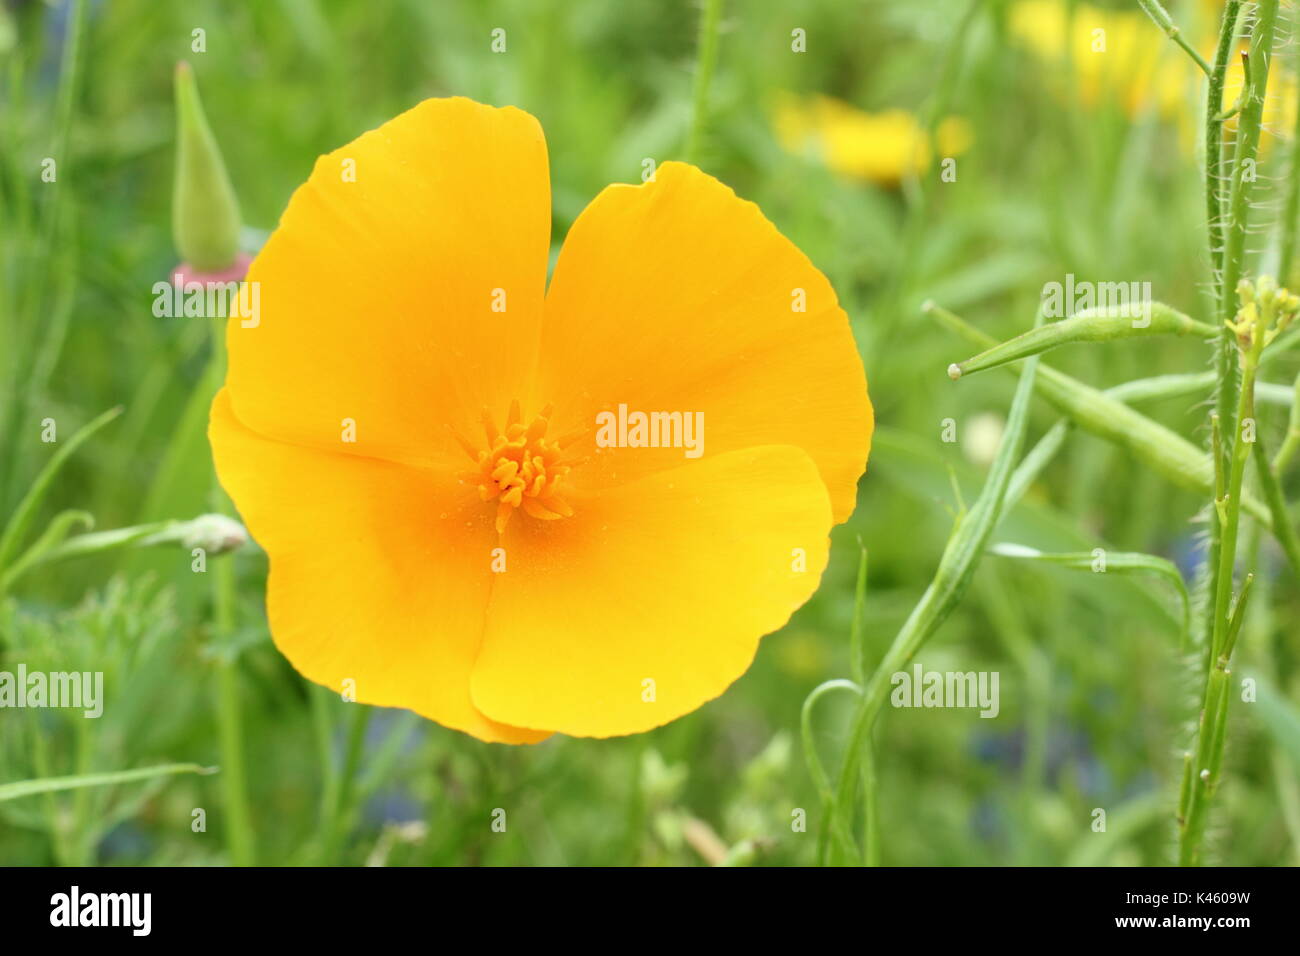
(975, 554)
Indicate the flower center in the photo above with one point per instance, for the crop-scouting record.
(521, 467)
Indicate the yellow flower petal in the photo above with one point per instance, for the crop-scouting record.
(677, 296)
(379, 571)
(377, 295)
(670, 579)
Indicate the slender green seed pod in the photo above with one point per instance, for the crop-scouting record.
(1089, 325)
(1167, 452)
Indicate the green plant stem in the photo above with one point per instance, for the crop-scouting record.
(49, 803)
(16, 527)
(1214, 138)
(1224, 366)
(238, 828)
(1228, 237)
(707, 58)
(324, 729)
(951, 579)
(81, 826)
(240, 837)
(1116, 562)
(1162, 19)
(857, 654)
(240, 834)
(1284, 529)
(1243, 179)
(52, 547)
(1214, 711)
(816, 769)
(47, 785)
(336, 827)
(870, 806)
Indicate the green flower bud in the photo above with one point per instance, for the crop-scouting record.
(205, 212)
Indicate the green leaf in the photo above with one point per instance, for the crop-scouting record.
(23, 515)
(26, 788)
(54, 534)
(951, 579)
(816, 769)
(1116, 562)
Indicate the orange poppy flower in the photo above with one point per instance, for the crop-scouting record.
(410, 431)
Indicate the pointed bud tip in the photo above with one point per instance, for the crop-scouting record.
(205, 210)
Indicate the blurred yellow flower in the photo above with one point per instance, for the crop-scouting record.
(1121, 57)
(1117, 56)
(879, 147)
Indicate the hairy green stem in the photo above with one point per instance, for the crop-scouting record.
(1224, 621)
(1244, 175)
(1214, 138)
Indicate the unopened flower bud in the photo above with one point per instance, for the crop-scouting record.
(214, 533)
(205, 211)
(1245, 292)
(1266, 285)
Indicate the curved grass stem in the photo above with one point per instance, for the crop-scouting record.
(707, 58)
(956, 568)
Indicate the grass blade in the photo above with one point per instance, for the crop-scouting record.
(23, 515)
(26, 788)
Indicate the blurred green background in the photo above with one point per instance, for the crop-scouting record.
(1064, 167)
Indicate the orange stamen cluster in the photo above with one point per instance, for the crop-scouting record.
(521, 468)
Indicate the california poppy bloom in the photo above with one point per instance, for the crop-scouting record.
(411, 428)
